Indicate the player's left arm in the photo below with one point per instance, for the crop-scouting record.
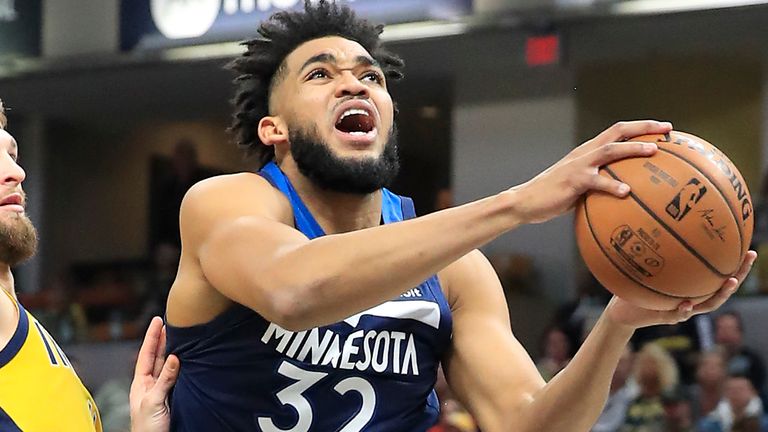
(493, 375)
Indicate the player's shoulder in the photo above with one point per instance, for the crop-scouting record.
(240, 192)
(221, 200)
(229, 184)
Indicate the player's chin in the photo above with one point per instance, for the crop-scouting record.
(359, 156)
(359, 153)
(13, 218)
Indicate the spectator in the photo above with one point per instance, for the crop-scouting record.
(678, 415)
(707, 392)
(740, 411)
(623, 391)
(656, 373)
(60, 314)
(741, 360)
(557, 353)
(684, 341)
(112, 400)
(157, 282)
(577, 316)
(170, 189)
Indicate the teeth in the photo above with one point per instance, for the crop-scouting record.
(353, 111)
(358, 133)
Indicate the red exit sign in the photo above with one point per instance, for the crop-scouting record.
(542, 50)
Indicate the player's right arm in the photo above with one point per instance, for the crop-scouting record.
(237, 231)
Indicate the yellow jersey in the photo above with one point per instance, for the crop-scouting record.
(39, 390)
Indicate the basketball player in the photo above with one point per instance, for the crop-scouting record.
(309, 297)
(39, 390)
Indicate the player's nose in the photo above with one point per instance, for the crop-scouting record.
(12, 173)
(350, 85)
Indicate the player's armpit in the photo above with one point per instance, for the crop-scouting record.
(487, 368)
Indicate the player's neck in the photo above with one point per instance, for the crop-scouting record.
(6, 279)
(335, 212)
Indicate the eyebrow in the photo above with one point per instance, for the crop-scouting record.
(360, 60)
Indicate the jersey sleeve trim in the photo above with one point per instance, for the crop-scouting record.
(17, 340)
(7, 424)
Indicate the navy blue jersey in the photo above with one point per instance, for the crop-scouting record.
(374, 371)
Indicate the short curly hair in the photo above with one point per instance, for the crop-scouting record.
(261, 66)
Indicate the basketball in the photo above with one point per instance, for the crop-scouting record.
(682, 231)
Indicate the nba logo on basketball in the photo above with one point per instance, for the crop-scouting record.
(688, 196)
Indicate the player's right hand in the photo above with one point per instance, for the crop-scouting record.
(557, 189)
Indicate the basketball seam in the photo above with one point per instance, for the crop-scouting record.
(717, 188)
(668, 228)
(621, 270)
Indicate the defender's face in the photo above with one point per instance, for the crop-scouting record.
(334, 86)
(18, 238)
(12, 175)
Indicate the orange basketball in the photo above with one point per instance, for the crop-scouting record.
(682, 231)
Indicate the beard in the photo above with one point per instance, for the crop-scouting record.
(18, 239)
(346, 175)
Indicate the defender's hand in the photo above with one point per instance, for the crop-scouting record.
(153, 379)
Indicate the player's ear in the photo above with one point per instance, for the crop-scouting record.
(272, 131)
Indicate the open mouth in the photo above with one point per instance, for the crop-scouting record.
(355, 121)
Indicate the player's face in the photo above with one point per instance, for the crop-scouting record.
(18, 239)
(335, 86)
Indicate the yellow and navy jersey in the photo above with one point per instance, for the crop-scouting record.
(39, 390)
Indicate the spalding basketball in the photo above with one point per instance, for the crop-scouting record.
(682, 231)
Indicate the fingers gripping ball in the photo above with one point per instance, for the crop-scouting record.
(682, 231)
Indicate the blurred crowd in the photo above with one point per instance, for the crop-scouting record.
(694, 376)
(697, 376)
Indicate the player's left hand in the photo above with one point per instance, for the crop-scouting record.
(622, 312)
(153, 379)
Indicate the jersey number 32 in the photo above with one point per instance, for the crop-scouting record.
(293, 396)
